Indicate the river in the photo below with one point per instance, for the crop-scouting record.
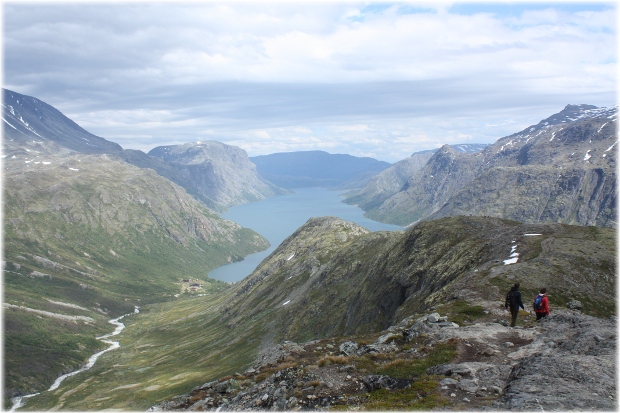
(20, 401)
(278, 217)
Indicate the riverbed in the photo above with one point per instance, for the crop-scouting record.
(20, 401)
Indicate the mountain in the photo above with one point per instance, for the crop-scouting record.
(92, 236)
(31, 124)
(560, 170)
(220, 175)
(36, 128)
(88, 236)
(317, 168)
(336, 278)
(333, 282)
(387, 183)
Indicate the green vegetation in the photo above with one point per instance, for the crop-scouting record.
(461, 311)
(422, 395)
(410, 368)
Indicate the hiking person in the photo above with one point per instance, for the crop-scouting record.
(513, 300)
(541, 304)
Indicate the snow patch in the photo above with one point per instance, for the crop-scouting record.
(611, 147)
(74, 169)
(5, 121)
(587, 155)
(286, 303)
(514, 256)
(531, 235)
(290, 256)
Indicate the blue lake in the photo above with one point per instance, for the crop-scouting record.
(278, 217)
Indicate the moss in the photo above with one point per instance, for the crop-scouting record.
(422, 395)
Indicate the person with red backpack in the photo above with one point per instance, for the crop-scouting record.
(541, 304)
(513, 300)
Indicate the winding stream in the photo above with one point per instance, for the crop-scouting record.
(20, 401)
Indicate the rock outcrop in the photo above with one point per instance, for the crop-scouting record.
(564, 362)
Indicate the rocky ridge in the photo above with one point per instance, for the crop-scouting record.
(493, 367)
(333, 278)
(560, 170)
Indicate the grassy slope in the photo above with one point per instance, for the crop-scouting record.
(105, 259)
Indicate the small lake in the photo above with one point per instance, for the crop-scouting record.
(278, 217)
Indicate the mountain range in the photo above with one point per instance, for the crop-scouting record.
(92, 231)
(561, 170)
(32, 127)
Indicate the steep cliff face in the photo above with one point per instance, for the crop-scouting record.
(560, 170)
(220, 175)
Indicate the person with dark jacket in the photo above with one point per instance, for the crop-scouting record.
(544, 307)
(513, 300)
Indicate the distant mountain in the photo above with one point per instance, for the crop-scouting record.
(561, 170)
(221, 175)
(317, 168)
(387, 183)
(32, 127)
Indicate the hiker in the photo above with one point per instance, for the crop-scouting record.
(513, 300)
(541, 304)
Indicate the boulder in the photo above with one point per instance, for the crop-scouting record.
(574, 305)
(376, 382)
(349, 348)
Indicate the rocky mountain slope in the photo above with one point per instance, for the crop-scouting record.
(221, 178)
(423, 363)
(560, 170)
(387, 183)
(29, 123)
(317, 168)
(86, 238)
(365, 307)
(220, 175)
(367, 281)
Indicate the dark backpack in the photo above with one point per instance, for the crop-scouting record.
(538, 302)
(511, 299)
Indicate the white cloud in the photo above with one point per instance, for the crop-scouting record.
(352, 77)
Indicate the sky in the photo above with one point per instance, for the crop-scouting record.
(382, 79)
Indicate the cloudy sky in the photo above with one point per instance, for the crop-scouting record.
(370, 79)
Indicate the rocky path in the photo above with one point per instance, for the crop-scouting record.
(565, 362)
